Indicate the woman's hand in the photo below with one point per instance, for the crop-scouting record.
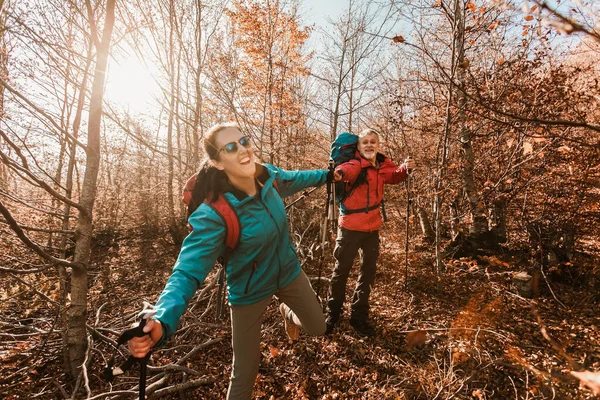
(140, 346)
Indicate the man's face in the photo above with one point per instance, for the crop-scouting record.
(368, 146)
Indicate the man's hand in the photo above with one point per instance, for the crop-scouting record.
(337, 176)
(140, 346)
(410, 164)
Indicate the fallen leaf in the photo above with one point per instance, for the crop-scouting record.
(415, 339)
(564, 149)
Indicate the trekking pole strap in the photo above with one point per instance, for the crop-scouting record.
(111, 371)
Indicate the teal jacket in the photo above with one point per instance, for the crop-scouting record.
(264, 260)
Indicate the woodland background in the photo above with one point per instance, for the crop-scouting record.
(498, 101)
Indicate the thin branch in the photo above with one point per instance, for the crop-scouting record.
(25, 239)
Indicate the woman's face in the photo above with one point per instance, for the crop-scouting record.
(235, 155)
(368, 146)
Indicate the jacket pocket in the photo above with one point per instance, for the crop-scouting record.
(250, 277)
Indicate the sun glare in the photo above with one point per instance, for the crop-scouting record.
(130, 84)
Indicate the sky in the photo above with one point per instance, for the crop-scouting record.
(316, 11)
(132, 85)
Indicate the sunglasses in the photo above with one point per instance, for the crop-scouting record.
(232, 147)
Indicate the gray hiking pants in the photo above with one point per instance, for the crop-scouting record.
(303, 309)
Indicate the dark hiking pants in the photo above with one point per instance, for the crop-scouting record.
(346, 248)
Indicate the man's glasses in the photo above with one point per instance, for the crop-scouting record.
(232, 147)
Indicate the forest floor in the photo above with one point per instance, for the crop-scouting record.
(465, 334)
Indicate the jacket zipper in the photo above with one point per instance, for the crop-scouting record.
(368, 194)
(250, 278)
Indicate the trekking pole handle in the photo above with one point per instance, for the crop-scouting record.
(145, 315)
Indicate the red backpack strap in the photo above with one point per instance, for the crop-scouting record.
(188, 189)
(232, 223)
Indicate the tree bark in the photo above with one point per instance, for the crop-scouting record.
(76, 338)
(479, 223)
(3, 75)
(426, 229)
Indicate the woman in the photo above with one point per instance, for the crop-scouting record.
(262, 265)
(359, 224)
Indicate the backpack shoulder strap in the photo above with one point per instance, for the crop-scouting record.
(232, 222)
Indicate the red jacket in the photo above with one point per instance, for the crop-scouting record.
(367, 196)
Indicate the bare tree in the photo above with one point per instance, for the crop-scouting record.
(353, 60)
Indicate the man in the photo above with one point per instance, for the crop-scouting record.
(359, 223)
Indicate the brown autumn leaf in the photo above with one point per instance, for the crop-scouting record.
(274, 351)
(533, 8)
(501, 60)
(465, 64)
(479, 394)
(589, 379)
(528, 17)
(398, 39)
(564, 149)
(471, 6)
(415, 339)
(493, 26)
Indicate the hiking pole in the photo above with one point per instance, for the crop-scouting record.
(322, 258)
(305, 194)
(330, 186)
(110, 371)
(408, 201)
(331, 200)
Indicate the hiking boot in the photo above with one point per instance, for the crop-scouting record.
(291, 329)
(363, 328)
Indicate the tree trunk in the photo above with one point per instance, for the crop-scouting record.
(68, 194)
(4, 75)
(479, 223)
(426, 229)
(498, 220)
(173, 225)
(197, 131)
(76, 334)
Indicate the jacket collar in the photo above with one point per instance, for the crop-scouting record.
(262, 176)
(364, 163)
